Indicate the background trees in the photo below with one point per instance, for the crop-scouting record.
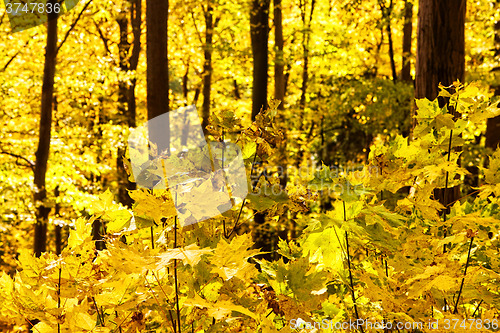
(336, 69)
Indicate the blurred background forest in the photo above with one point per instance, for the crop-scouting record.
(343, 70)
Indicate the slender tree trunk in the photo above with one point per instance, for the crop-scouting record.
(279, 94)
(207, 66)
(123, 49)
(126, 90)
(391, 47)
(306, 36)
(440, 57)
(493, 124)
(259, 33)
(407, 32)
(279, 67)
(42, 153)
(135, 19)
(58, 229)
(157, 71)
(386, 19)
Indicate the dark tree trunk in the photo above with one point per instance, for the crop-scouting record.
(42, 153)
(157, 70)
(207, 66)
(126, 90)
(58, 229)
(440, 58)
(236, 89)
(306, 36)
(135, 19)
(441, 45)
(279, 94)
(389, 38)
(279, 67)
(407, 32)
(259, 33)
(493, 124)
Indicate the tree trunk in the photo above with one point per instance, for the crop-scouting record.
(389, 38)
(279, 66)
(493, 124)
(440, 58)
(259, 33)
(207, 66)
(306, 36)
(42, 153)
(126, 90)
(441, 46)
(407, 32)
(157, 71)
(279, 94)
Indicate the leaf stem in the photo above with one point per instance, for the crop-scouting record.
(473, 314)
(59, 300)
(350, 272)
(244, 200)
(100, 317)
(176, 279)
(445, 201)
(463, 278)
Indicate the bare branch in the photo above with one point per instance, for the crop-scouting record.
(73, 25)
(104, 39)
(13, 57)
(31, 164)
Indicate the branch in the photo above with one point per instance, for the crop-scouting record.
(31, 164)
(13, 57)
(463, 278)
(104, 39)
(73, 25)
(350, 272)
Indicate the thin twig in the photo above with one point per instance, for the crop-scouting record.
(463, 278)
(13, 57)
(474, 313)
(31, 164)
(446, 189)
(175, 277)
(73, 25)
(59, 300)
(100, 317)
(244, 200)
(156, 298)
(350, 272)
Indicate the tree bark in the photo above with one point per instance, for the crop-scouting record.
(126, 90)
(389, 38)
(306, 36)
(279, 63)
(157, 71)
(259, 33)
(407, 32)
(207, 66)
(42, 153)
(441, 45)
(493, 124)
(440, 58)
